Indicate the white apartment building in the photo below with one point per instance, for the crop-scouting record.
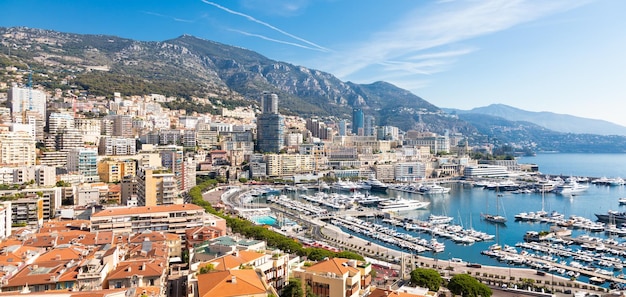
(17, 149)
(117, 146)
(26, 99)
(174, 218)
(83, 161)
(409, 171)
(90, 129)
(5, 219)
(484, 170)
(285, 165)
(59, 122)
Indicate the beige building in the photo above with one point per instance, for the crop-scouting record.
(166, 218)
(385, 172)
(112, 171)
(156, 187)
(336, 277)
(284, 165)
(17, 149)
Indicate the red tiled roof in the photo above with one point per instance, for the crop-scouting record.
(230, 283)
(127, 269)
(121, 211)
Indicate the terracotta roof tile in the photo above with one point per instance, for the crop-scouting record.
(232, 261)
(230, 283)
(42, 273)
(146, 209)
(335, 265)
(127, 269)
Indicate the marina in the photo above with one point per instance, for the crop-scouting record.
(412, 230)
(590, 250)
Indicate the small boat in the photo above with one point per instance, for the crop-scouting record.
(622, 201)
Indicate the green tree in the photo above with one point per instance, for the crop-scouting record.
(206, 268)
(428, 278)
(293, 289)
(467, 286)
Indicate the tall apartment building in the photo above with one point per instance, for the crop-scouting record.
(17, 149)
(436, 143)
(123, 126)
(27, 211)
(283, 165)
(387, 133)
(207, 139)
(21, 100)
(358, 121)
(343, 128)
(270, 125)
(37, 206)
(83, 161)
(165, 218)
(70, 138)
(5, 219)
(128, 188)
(172, 158)
(117, 146)
(117, 125)
(112, 171)
(59, 122)
(90, 129)
(156, 187)
(369, 126)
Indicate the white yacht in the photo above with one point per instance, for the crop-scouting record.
(401, 204)
(571, 187)
(435, 219)
(435, 189)
(376, 185)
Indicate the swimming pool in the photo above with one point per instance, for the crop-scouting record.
(264, 220)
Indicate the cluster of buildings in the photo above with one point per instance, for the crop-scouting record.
(69, 149)
(94, 191)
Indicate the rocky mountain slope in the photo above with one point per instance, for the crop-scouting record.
(188, 67)
(549, 120)
(191, 67)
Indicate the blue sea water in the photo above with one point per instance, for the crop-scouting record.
(465, 203)
(592, 165)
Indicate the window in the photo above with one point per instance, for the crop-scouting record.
(118, 284)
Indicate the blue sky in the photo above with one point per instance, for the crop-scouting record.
(563, 56)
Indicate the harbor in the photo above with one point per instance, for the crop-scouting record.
(534, 211)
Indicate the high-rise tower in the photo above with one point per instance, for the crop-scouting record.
(270, 125)
(357, 121)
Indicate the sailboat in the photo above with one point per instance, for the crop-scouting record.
(494, 218)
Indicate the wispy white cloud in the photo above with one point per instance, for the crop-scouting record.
(252, 19)
(274, 40)
(285, 8)
(420, 42)
(168, 17)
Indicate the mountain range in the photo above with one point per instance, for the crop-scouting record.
(557, 122)
(188, 67)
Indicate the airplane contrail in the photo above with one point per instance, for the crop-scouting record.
(266, 25)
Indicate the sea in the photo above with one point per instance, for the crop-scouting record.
(465, 204)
